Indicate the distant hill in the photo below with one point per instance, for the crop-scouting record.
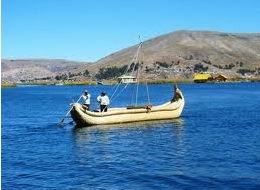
(175, 55)
(30, 69)
(181, 53)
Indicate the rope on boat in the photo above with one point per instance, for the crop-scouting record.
(134, 61)
(147, 91)
(114, 91)
(134, 65)
(136, 95)
(120, 92)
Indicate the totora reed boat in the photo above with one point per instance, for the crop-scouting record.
(168, 110)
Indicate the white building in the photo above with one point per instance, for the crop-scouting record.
(126, 79)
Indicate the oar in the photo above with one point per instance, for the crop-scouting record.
(60, 123)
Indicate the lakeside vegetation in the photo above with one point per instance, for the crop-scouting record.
(79, 83)
(166, 81)
(8, 85)
(111, 82)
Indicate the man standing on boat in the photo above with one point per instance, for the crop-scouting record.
(86, 98)
(103, 100)
(176, 93)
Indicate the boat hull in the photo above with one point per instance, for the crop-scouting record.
(169, 110)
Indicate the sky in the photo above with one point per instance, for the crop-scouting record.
(87, 30)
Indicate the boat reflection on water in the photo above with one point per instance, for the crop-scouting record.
(102, 133)
(178, 122)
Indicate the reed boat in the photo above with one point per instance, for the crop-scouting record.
(168, 110)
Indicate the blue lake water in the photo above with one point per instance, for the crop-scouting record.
(214, 145)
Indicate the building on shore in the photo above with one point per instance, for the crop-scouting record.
(127, 79)
(207, 77)
(202, 77)
(220, 78)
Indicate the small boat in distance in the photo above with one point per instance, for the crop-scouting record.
(59, 84)
(100, 83)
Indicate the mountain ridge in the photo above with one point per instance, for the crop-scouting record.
(176, 54)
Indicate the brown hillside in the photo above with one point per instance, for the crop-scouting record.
(221, 52)
(29, 69)
(177, 54)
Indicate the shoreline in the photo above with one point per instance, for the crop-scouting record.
(111, 82)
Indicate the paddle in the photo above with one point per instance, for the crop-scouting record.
(61, 122)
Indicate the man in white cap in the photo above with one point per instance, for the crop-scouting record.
(103, 100)
(86, 98)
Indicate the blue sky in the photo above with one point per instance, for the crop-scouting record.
(88, 30)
